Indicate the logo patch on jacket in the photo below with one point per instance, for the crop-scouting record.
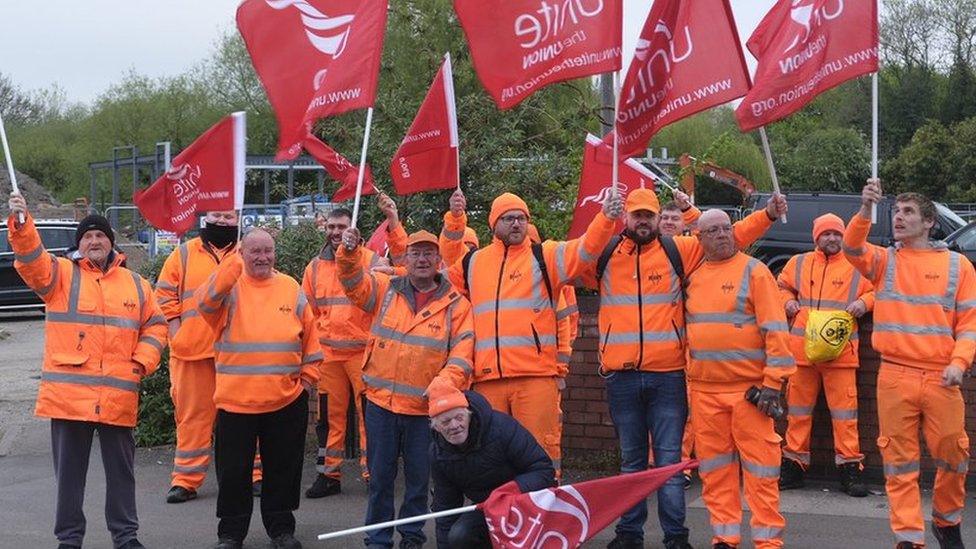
(286, 309)
(515, 276)
(434, 326)
(129, 305)
(655, 277)
(728, 287)
(932, 276)
(837, 282)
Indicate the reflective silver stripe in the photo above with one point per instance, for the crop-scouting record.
(774, 326)
(840, 460)
(150, 340)
(844, 414)
(300, 303)
(165, 300)
(30, 256)
(419, 341)
(730, 529)
(461, 337)
(184, 257)
(717, 462)
(729, 355)
(966, 335)
(207, 308)
(797, 331)
(187, 294)
(314, 357)
(190, 469)
(902, 469)
(513, 341)
(798, 279)
(343, 344)
(371, 299)
(163, 285)
(913, 329)
(914, 536)
(187, 454)
(855, 252)
(332, 301)
(55, 273)
(259, 347)
(745, 287)
(137, 280)
(761, 471)
(155, 320)
(952, 517)
(567, 312)
(461, 363)
(189, 313)
(780, 362)
(950, 295)
(509, 304)
(855, 284)
(825, 304)
(256, 370)
(95, 320)
(563, 358)
(720, 318)
(75, 292)
(561, 261)
(948, 467)
(801, 411)
(452, 235)
(646, 299)
(911, 299)
(334, 453)
(799, 457)
(766, 532)
(635, 337)
(351, 283)
(585, 255)
(95, 381)
(966, 305)
(329, 469)
(398, 388)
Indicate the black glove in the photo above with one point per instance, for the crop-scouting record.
(769, 403)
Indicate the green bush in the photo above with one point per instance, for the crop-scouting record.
(295, 247)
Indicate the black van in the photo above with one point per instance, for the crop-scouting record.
(783, 241)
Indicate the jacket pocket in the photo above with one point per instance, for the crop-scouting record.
(535, 336)
(606, 339)
(69, 359)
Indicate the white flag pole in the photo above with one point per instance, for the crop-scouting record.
(769, 163)
(392, 523)
(452, 113)
(874, 139)
(616, 145)
(240, 166)
(362, 167)
(10, 165)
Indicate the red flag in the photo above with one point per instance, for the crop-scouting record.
(207, 175)
(805, 48)
(522, 46)
(315, 58)
(428, 156)
(688, 59)
(377, 242)
(569, 515)
(595, 182)
(339, 168)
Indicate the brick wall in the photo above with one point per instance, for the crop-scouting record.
(587, 426)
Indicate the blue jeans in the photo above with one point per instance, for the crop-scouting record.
(655, 403)
(390, 436)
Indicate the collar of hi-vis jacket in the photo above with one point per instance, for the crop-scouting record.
(327, 253)
(114, 260)
(402, 286)
(805, 284)
(629, 246)
(525, 244)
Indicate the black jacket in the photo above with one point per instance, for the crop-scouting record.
(498, 450)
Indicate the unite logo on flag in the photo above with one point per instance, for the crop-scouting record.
(524, 528)
(185, 182)
(327, 34)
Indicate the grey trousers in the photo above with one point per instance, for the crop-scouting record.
(71, 443)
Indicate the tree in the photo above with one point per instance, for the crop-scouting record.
(16, 107)
(923, 165)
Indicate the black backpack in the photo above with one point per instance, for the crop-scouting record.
(670, 249)
(539, 259)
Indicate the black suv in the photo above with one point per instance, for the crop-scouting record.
(783, 241)
(57, 237)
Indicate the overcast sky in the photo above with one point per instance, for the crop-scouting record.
(85, 47)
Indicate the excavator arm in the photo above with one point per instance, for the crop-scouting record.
(722, 175)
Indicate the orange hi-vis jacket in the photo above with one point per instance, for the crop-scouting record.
(641, 319)
(185, 270)
(515, 321)
(266, 345)
(451, 239)
(408, 348)
(343, 328)
(737, 331)
(924, 303)
(104, 332)
(825, 283)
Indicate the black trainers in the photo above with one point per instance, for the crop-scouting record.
(286, 541)
(228, 543)
(948, 537)
(723, 545)
(66, 546)
(677, 542)
(323, 486)
(623, 541)
(908, 545)
(179, 494)
(132, 544)
(790, 475)
(256, 489)
(850, 480)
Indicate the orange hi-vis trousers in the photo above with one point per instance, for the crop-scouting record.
(840, 386)
(729, 432)
(340, 383)
(536, 403)
(908, 397)
(192, 389)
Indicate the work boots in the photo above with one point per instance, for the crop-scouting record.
(790, 475)
(322, 487)
(948, 537)
(679, 541)
(623, 541)
(850, 480)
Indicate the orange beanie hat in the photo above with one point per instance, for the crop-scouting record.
(443, 396)
(506, 202)
(827, 222)
(471, 237)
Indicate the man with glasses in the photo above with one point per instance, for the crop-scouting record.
(421, 331)
(514, 286)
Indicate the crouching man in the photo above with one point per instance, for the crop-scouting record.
(475, 450)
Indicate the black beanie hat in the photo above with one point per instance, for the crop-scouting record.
(94, 222)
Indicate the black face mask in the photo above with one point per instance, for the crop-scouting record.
(219, 236)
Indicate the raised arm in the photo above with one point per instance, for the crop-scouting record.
(212, 296)
(864, 256)
(362, 287)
